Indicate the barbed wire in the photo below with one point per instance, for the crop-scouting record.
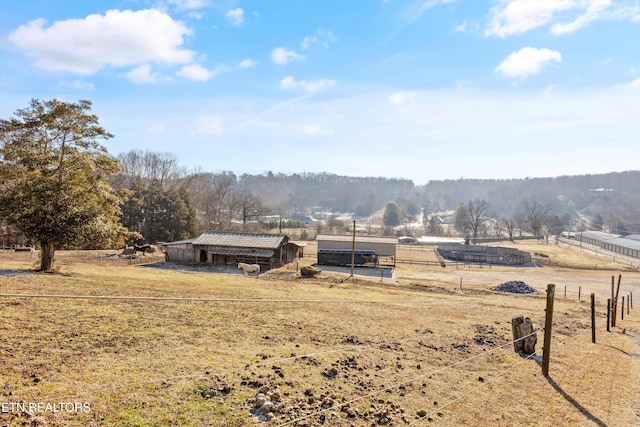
(218, 299)
(473, 390)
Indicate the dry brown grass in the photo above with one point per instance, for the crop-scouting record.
(397, 347)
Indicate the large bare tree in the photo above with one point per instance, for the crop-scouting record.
(472, 216)
(247, 207)
(537, 216)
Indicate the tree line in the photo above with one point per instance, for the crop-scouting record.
(61, 188)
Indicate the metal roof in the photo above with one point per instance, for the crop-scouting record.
(241, 252)
(240, 240)
(625, 243)
(359, 239)
(179, 242)
(596, 235)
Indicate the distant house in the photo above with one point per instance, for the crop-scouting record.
(230, 248)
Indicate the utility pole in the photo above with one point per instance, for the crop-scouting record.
(353, 248)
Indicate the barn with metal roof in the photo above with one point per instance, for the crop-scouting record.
(230, 248)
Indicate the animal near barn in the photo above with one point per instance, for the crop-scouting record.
(366, 250)
(231, 248)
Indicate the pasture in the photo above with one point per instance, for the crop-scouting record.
(155, 344)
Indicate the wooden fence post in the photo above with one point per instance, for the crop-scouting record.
(579, 292)
(608, 314)
(629, 304)
(593, 318)
(613, 295)
(622, 311)
(615, 301)
(546, 350)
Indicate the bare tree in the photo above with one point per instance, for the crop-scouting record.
(246, 206)
(218, 201)
(536, 216)
(150, 166)
(510, 224)
(473, 215)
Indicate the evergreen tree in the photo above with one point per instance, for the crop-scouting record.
(391, 216)
(54, 186)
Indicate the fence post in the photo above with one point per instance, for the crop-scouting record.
(593, 318)
(622, 311)
(579, 292)
(629, 304)
(615, 302)
(608, 314)
(546, 351)
(565, 291)
(613, 295)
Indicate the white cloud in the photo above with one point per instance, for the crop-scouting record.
(314, 129)
(400, 98)
(634, 84)
(142, 75)
(324, 38)
(282, 56)
(527, 61)
(308, 86)
(158, 128)
(235, 16)
(512, 17)
(209, 126)
(462, 27)
(593, 12)
(78, 84)
(248, 63)
(189, 4)
(117, 39)
(417, 8)
(195, 72)
(308, 41)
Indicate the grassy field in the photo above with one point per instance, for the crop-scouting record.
(194, 347)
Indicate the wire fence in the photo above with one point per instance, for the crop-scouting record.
(425, 416)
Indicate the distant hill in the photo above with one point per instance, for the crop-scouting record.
(612, 195)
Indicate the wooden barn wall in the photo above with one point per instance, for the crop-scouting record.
(180, 253)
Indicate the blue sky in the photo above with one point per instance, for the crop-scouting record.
(425, 90)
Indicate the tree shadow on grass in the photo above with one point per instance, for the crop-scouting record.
(584, 411)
